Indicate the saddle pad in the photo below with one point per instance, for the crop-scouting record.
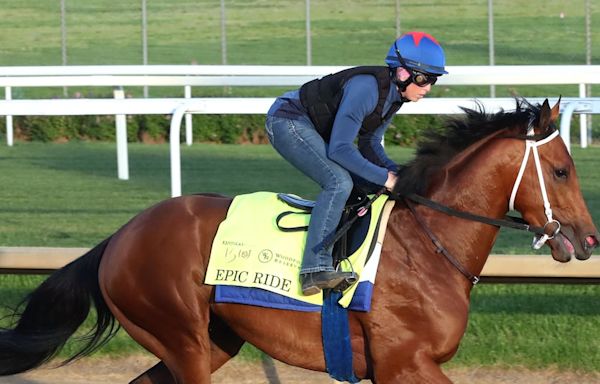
(253, 262)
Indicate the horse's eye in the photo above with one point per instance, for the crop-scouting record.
(561, 173)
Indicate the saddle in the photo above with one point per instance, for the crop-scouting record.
(348, 239)
(253, 262)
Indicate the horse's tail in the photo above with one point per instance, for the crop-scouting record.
(49, 315)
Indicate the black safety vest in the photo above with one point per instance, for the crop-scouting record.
(321, 97)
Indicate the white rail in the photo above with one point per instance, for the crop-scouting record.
(228, 75)
(232, 105)
(255, 75)
(446, 106)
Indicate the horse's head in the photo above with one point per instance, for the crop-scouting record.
(490, 163)
(547, 193)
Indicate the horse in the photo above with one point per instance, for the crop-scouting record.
(148, 276)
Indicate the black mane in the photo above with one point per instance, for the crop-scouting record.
(438, 146)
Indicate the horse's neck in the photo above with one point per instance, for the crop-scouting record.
(479, 182)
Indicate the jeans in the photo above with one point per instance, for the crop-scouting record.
(299, 143)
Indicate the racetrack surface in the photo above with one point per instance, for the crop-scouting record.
(122, 370)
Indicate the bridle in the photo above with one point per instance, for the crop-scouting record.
(508, 221)
(531, 146)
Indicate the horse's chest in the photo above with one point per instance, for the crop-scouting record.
(434, 321)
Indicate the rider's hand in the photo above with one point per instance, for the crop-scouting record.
(391, 181)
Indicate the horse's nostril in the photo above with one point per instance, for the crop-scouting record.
(591, 241)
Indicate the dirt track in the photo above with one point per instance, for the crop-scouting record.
(116, 371)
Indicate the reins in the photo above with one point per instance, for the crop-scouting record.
(439, 247)
(508, 221)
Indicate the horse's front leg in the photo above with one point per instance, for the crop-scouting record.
(399, 367)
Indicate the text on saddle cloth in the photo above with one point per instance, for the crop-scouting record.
(250, 251)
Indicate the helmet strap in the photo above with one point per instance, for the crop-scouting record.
(402, 85)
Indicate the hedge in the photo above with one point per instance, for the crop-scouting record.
(228, 129)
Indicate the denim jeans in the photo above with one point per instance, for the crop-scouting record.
(299, 143)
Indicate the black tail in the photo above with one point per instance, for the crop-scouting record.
(53, 312)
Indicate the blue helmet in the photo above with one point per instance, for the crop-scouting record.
(419, 51)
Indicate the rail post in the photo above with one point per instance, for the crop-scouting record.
(9, 118)
(188, 117)
(174, 137)
(121, 137)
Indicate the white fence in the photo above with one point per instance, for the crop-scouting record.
(292, 76)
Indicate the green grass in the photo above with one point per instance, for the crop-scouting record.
(534, 326)
(68, 195)
(343, 31)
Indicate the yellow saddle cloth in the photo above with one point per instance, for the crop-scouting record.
(249, 250)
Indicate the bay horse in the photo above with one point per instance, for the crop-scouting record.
(148, 276)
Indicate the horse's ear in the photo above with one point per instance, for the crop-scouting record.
(555, 110)
(547, 115)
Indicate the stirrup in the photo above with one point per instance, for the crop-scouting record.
(348, 281)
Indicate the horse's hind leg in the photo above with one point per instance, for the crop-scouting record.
(225, 344)
(151, 278)
(186, 352)
(171, 321)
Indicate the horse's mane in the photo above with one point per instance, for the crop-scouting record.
(438, 146)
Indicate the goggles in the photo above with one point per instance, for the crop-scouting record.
(422, 79)
(419, 78)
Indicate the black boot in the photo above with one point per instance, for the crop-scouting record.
(314, 282)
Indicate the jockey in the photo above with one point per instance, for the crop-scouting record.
(315, 127)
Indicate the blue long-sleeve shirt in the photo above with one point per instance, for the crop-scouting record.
(367, 161)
